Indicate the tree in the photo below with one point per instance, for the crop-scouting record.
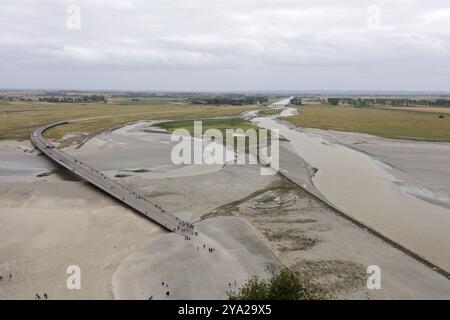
(285, 284)
(253, 289)
(333, 101)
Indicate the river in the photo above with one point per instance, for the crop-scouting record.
(361, 187)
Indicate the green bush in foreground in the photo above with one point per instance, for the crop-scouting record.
(285, 284)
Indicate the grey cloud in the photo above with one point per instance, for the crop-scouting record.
(213, 45)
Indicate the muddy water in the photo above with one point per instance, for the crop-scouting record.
(361, 187)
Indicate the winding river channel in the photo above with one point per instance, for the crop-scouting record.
(360, 186)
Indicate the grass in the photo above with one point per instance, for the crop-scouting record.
(389, 123)
(285, 284)
(18, 120)
(269, 112)
(220, 124)
(440, 110)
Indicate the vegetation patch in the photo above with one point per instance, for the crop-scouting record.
(142, 170)
(44, 174)
(334, 275)
(291, 239)
(220, 124)
(285, 284)
(269, 112)
(122, 175)
(301, 221)
(389, 123)
(19, 119)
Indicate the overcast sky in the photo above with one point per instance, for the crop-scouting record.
(226, 44)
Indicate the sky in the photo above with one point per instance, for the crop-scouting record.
(225, 45)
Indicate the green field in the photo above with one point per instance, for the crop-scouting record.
(220, 124)
(382, 122)
(18, 120)
(269, 112)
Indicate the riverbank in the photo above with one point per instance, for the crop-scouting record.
(350, 179)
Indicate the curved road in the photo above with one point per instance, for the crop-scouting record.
(118, 191)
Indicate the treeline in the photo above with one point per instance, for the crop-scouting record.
(397, 102)
(297, 101)
(87, 98)
(231, 101)
(15, 98)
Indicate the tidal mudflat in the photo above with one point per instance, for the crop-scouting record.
(294, 226)
(250, 220)
(405, 197)
(49, 222)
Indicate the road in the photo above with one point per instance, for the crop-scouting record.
(131, 198)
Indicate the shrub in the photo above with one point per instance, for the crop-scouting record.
(285, 284)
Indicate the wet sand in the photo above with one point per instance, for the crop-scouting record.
(49, 223)
(301, 232)
(188, 270)
(326, 247)
(365, 189)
